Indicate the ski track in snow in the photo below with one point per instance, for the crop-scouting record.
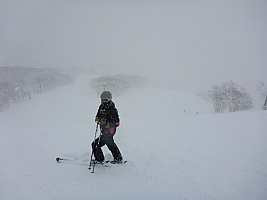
(171, 154)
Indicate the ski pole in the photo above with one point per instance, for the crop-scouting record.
(92, 148)
(97, 148)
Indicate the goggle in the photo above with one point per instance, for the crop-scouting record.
(104, 100)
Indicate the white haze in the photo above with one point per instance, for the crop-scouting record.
(192, 44)
(171, 154)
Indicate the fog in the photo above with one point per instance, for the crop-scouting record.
(191, 44)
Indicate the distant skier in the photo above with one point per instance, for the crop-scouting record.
(108, 118)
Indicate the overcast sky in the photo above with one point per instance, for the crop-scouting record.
(194, 42)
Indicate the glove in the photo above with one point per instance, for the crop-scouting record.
(102, 122)
(97, 120)
(112, 130)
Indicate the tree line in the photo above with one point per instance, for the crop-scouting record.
(117, 84)
(19, 83)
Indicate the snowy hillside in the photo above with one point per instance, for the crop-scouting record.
(176, 148)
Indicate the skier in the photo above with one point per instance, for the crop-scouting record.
(108, 118)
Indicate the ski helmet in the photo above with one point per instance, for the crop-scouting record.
(106, 95)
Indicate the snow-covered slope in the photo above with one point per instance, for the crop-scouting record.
(176, 148)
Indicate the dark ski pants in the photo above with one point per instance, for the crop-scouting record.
(106, 139)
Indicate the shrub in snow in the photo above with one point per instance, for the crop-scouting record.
(230, 96)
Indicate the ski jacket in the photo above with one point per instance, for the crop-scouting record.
(108, 113)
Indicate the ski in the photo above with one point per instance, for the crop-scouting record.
(71, 161)
(107, 163)
(104, 163)
(60, 160)
(97, 164)
(118, 163)
(113, 162)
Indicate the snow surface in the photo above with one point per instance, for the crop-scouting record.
(171, 153)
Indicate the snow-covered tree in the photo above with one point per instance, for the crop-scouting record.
(230, 96)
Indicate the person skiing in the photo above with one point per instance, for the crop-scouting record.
(108, 118)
